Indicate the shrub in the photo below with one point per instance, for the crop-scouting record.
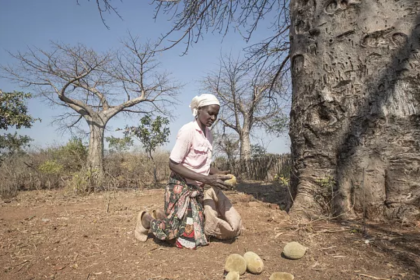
(71, 156)
(60, 166)
(50, 167)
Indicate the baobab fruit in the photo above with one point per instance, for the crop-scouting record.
(254, 263)
(232, 181)
(233, 275)
(235, 262)
(294, 250)
(281, 276)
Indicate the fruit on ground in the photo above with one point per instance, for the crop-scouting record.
(281, 276)
(233, 275)
(235, 262)
(294, 250)
(254, 263)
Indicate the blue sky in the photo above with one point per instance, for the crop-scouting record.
(29, 23)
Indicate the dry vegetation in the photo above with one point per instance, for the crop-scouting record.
(62, 167)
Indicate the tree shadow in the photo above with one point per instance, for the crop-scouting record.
(273, 192)
(403, 244)
(212, 239)
(369, 116)
(399, 242)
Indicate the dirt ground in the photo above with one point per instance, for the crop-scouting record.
(58, 235)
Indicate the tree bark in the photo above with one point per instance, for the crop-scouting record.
(245, 151)
(96, 146)
(355, 109)
(155, 179)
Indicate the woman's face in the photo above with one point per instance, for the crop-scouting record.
(207, 115)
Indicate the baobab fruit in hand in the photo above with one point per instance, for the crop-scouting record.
(254, 263)
(281, 276)
(233, 275)
(232, 181)
(294, 250)
(235, 262)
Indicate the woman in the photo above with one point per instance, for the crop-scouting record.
(190, 161)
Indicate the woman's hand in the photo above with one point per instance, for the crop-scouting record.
(218, 181)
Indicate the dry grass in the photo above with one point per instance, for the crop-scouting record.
(61, 167)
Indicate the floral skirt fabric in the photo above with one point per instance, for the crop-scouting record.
(184, 214)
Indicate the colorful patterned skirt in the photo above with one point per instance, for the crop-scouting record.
(184, 215)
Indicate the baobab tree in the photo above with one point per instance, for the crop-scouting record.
(227, 144)
(95, 86)
(355, 111)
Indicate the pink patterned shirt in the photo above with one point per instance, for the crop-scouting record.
(193, 150)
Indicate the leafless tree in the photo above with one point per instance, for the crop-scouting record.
(248, 100)
(227, 144)
(105, 6)
(95, 86)
(193, 18)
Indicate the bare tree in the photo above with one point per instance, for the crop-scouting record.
(193, 18)
(104, 6)
(248, 100)
(95, 87)
(227, 144)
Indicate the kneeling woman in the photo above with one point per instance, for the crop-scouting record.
(190, 159)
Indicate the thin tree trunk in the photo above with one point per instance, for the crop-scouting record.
(154, 168)
(245, 150)
(355, 107)
(96, 148)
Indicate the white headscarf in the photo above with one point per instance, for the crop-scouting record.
(203, 100)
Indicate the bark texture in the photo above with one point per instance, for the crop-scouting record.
(96, 144)
(355, 118)
(245, 149)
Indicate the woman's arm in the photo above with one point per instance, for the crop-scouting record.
(212, 179)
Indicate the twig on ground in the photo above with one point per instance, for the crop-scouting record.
(22, 265)
(332, 231)
(372, 277)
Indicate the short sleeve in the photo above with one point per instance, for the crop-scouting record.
(182, 145)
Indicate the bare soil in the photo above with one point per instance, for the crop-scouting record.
(58, 235)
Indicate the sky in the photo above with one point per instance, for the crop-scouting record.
(28, 23)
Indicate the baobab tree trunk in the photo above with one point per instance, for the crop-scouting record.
(355, 118)
(96, 147)
(245, 150)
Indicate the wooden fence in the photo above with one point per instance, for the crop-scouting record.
(262, 168)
